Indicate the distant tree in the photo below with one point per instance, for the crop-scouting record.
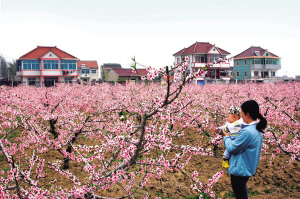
(3, 67)
(12, 66)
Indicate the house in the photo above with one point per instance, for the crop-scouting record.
(202, 53)
(164, 80)
(126, 75)
(46, 65)
(256, 63)
(230, 72)
(106, 68)
(88, 71)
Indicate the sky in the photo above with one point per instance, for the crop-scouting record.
(151, 30)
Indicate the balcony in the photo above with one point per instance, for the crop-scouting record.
(30, 73)
(69, 72)
(199, 65)
(202, 65)
(50, 72)
(266, 66)
(266, 77)
(85, 75)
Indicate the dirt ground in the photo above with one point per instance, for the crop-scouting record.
(270, 181)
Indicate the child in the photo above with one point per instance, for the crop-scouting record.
(233, 126)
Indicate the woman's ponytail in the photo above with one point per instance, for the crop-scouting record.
(252, 108)
(261, 124)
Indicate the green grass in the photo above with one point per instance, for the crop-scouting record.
(229, 195)
(253, 193)
(294, 188)
(11, 136)
(267, 191)
(2, 157)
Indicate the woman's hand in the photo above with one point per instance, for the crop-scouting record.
(216, 130)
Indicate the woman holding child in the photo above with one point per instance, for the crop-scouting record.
(245, 148)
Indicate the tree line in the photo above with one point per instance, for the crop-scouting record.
(7, 69)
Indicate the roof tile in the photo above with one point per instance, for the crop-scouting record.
(128, 72)
(199, 47)
(250, 52)
(40, 51)
(89, 64)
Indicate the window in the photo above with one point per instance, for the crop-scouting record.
(255, 73)
(85, 71)
(200, 59)
(237, 62)
(237, 73)
(273, 73)
(50, 64)
(264, 74)
(178, 60)
(245, 73)
(31, 81)
(68, 80)
(245, 62)
(31, 65)
(222, 72)
(68, 65)
(213, 58)
(93, 71)
(258, 61)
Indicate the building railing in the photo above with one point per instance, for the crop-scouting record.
(266, 77)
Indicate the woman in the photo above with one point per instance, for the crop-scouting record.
(246, 148)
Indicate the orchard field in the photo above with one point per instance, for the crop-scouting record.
(140, 141)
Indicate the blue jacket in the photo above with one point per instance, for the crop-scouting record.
(245, 151)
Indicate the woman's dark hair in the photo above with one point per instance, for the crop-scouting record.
(252, 108)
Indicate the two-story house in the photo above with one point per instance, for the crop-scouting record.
(106, 68)
(256, 63)
(125, 74)
(202, 53)
(46, 65)
(88, 71)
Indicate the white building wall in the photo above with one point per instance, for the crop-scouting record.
(213, 50)
(51, 73)
(25, 79)
(94, 75)
(176, 57)
(31, 73)
(48, 55)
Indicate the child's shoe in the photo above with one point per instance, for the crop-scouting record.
(225, 163)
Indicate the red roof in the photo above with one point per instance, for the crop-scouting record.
(89, 64)
(128, 72)
(254, 51)
(200, 47)
(170, 77)
(41, 51)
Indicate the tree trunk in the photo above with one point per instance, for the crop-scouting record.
(66, 159)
